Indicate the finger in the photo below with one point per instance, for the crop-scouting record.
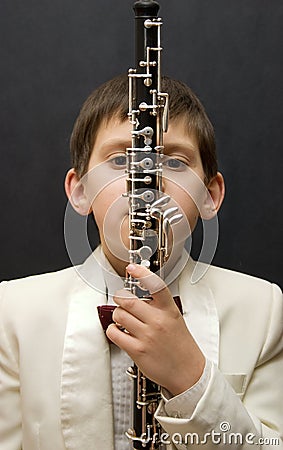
(150, 281)
(129, 322)
(123, 340)
(137, 307)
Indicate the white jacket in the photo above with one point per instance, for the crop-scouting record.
(55, 380)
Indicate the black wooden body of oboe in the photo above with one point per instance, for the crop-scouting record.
(148, 114)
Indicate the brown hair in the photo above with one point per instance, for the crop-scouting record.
(111, 100)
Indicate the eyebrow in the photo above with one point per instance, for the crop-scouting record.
(169, 148)
(118, 143)
(173, 147)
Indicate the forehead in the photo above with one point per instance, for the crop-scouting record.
(116, 134)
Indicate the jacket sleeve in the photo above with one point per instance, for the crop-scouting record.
(10, 407)
(221, 419)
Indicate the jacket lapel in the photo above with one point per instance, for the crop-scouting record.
(86, 396)
(200, 312)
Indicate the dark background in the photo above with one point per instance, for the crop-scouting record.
(53, 54)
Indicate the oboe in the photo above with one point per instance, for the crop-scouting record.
(148, 217)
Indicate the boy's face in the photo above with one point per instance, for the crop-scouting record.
(183, 181)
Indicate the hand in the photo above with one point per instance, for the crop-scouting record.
(157, 338)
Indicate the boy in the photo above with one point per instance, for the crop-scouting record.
(63, 385)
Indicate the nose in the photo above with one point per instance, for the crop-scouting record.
(164, 183)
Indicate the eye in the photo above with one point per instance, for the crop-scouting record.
(175, 164)
(118, 162)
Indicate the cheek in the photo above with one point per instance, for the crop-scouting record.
(110, 211)
(191, 213)
(188, 190)
(189, 204)
(104, 184)
(108, 202)
(104, 188)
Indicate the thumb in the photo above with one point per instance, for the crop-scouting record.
(151, 282)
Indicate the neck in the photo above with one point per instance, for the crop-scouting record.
(120, 265)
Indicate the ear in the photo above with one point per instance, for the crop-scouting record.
(214, 197)
(75, 191)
